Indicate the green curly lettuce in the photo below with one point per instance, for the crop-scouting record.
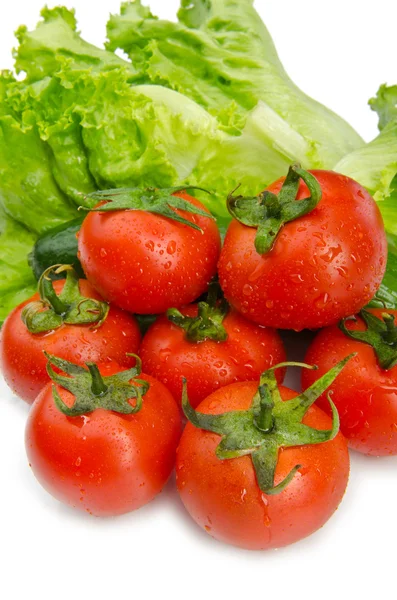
(221, 55)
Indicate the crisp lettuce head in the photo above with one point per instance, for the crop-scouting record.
(221, 55)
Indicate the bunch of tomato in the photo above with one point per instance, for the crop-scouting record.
(258, 465)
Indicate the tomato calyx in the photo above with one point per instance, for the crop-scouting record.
(208, 325)
(268, 425)
(158, 201)
(69, 307)
(269, 212)
(92, 391)
(381, 334)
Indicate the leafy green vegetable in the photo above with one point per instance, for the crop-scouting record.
(16, 278)
(55, 43)
(28, 192)
(385, 104)
(221, 55)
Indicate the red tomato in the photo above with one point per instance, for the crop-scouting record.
(146, 263)
(21, 353)
(364, 393)
(104, 463)
(323, 266)
(224, 498)
(248, 351)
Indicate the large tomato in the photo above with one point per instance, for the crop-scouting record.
(224, 496)
(23, 363)
(322, 266)
(104, 462)
(146, 262)
(247, 351)
(365, 393)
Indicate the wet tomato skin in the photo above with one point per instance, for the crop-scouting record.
(223, 496)
(324, 266)
(22, 359)
(364, 394)
(104, 463)
(209, 365)
(146, 263)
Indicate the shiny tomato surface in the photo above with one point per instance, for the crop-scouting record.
(104, 463)
(224, 498)
(248, 351)
(146, 263)
(323, 266)
(364, 394)
(22, 359)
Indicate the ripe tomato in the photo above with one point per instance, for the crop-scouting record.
(224, 498)
(22, 360)
(365, 394)
(323, 266)
(104, 462)
(208, 365)
(146, 263)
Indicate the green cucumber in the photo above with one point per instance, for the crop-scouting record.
(57, 247)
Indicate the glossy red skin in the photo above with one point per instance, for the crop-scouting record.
(224, 498)
(364, 394)
(207, 366)
(324, 266)
(22, 359)
(104, 463)
(146, 263)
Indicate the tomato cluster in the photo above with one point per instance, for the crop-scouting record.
(257, 465)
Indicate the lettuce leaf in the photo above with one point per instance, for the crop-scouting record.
(28, 192)
(221, 55)
(16, 278)
(55, 43)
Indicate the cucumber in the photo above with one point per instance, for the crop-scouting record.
(58, 246)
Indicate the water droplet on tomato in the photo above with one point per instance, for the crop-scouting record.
(171, 248)
(296, 278)
(321, 243)
(257, 272)
(322, 301)
(248, 290)
(164, 354)
(342, 271)
(331, 253)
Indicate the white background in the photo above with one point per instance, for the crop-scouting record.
(339, 52)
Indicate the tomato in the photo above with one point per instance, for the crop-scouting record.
(249, 349)
(22, 360)
(323, 266)
(104, 462)
(365, 393)
(146, 263)
(224, 498)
